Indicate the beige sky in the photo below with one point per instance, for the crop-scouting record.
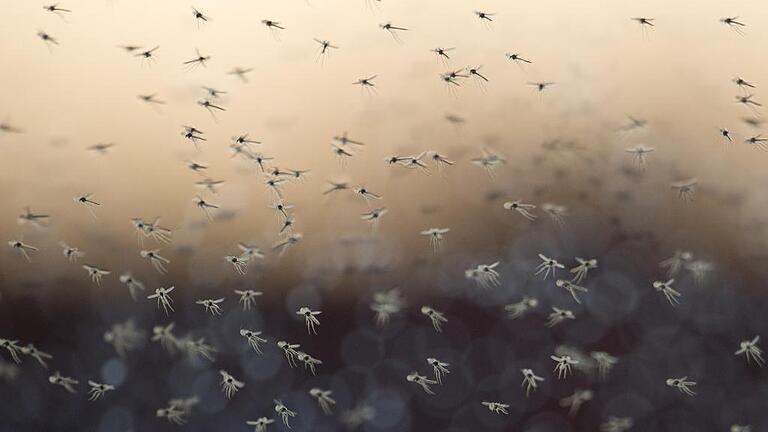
(83, 91)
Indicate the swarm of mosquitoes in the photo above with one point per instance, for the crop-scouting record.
(569, 275)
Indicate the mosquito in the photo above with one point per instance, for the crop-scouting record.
(229, 384)
(199, 60)
(163, 298)
(54, 8)
(193, 134)
(86, 201)
(129, 48)
(48, 39)
(35, 353)
(522, 208)
(101, 148)
(344, 140)
(758, 141)
(685, 188)
(213, 93)
(95, 273)
(743, 84)
(148, 56)
(748, 102)
(683, 385)
(440, 161)
(392, 29)
(640, 153)
(22, 248)
(734, 24)
(519, 60)
(645, 23)
(484, 16)
(336, 187)
(241, 73)
(210, 107)
(436, 237)
(540, 86)
(97, 390)
(71, 253)
(211, 305)
(374, 216)
(37, 220)
(672, 295)
(474, 71)
(324, 399)
(274, 28)
(285, 243)
(530, 381)
(199, 16)
(442, 54)
(751, 351)
(205, 206)
(366, 84)
(489, 161)
(210, 184)
(158, 262)
(150, 99)
(325, 50)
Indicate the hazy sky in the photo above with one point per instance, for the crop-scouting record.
(83, 91)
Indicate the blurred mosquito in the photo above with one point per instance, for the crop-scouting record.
(366, 84)
(683, 385)
(344, 140)
(563, 365)
(210, 184)
(133, 284)
(440, 161)
(556, 212)
(229, 384)
(633, 124)
(421, 380)
(274, 28)
(54, 8)
(748, 102)
(35, 353)
(200, 60)
(48, 39)
(148, 56)
(211, 305)
(392, 29)
(517, 310)
(254, 339)
(540, 86)
(213, 93)
(241, 73)
(336, 187)
(522, 208)
(558, 315)
(97, 390)
(6, 127)
(285, 243)
(574, 401)
(197, 167)
(324, 399)
(284, 413)
(374, 217)
(605, 362)
(530, 381)
(640, 153)
(150, 99)
(437, 318)
(581, 270)
(158, 262)
(685, 189)
(571, 287)
(436, 237)
(325, 50)
(129, 48)
(38, 220)
(489, 161)
(758, 141)
(743, 84)
(672, 295)
(67, 382)
(734, 24)
(71, 253)
(101, 148)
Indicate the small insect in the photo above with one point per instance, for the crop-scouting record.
(644, 22)
(286, 242)
(205, 206)
(758, 142)
(541, 86)
(193, 134)
(436, 237)
(67, 382)
(158, 262)
(134, 285)
(164, 335)
(290, 351)
(530, 381)
(23, 248)
(254, 339)
(518, 59)
(751, 351)
(199, 60)
(682, 385)
(71, 253)
(198, 348)
(274, 28)
(86, 201)
(163, 298)
(283, 411)
(685, 188)
(640, 153)
(211, 305)
(148, 56)
(241, 73)
(173, 414)
(558, 315)
(392, 29)
(485, 275)
(727, 140)
(325, 49)
(517, 310)
(38, 220)
(672, 295)
(239, 262)
(230, 385)
(734, 24)
(13, 348)
(95, 273)
(574, 401)
(439, 368)
(743, 84)
(699, 269)
(199, 16)
(367, 84)
(324, 399)
(421, 380)
(48, 39)
(496, 407)
(310, 318)
(484, 16)
(489, 161)
(125, 337)
(605, 362)
(556, 212)
(35, 353)
(581, 270)
(547, 266)
(436, 317)
(442, 54)
(522, 208)
(260, 424)
(571, 287)
(97, 390)
(309, 362)
(563, 365)
(248, 298)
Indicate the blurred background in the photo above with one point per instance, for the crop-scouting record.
(565, 145)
